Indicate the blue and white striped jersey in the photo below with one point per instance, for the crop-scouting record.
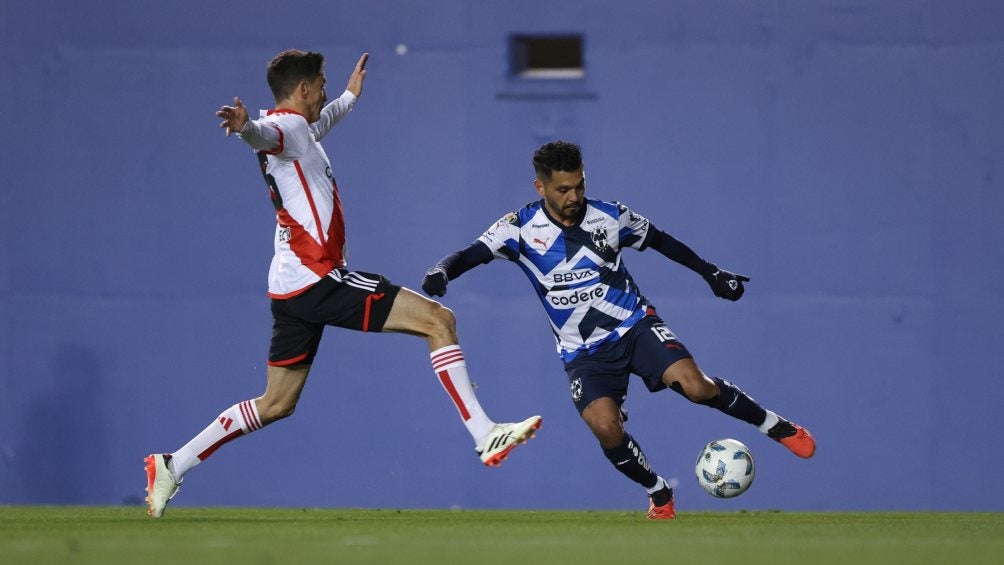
(577, 271)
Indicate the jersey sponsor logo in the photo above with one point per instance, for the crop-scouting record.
(573, 276)
(593, 221)
(538, 226)
(327, 172)
(577, 297)
(542, 242)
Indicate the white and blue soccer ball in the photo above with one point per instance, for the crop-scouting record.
(725, 468)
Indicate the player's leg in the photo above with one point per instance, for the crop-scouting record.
(687, 379)
(282, 392)
(166, 471)
(291, 351)
(663, 361)
(414, 314)
(595, 385)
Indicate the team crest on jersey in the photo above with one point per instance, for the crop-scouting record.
(284, 235)
(600, 238)
(576, 389)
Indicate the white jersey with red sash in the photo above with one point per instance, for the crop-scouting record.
(310, 225)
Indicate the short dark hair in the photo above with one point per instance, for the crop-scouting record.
(556, 156)
(289, 68)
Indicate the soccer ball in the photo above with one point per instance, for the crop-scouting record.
(725, 468)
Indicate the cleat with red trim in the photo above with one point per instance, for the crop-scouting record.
(666, 511)
(160, 485)
(504, 438)
(797, 439)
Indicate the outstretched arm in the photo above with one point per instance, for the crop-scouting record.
(454, 265)
(338, 108)
(235, 120)
(723, 283)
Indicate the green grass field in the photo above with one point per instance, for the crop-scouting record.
(124, 535)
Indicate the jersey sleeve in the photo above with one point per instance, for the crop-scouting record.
(633, 228)
(283, 135)
(332, 113)
(261, 136)
(502, 238)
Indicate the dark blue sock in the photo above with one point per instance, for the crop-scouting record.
(736, 403)
(629, 459)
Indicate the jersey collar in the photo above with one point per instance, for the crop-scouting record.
(284, 111)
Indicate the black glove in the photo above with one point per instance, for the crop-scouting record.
(435, 281)
(725, 284)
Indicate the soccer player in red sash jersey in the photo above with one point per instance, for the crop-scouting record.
(309, 283)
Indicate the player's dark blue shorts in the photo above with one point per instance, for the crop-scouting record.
(646, 350)
(346, 299)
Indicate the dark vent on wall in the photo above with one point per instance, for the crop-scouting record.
(546, 56)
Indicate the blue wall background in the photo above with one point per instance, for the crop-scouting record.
(849, 156)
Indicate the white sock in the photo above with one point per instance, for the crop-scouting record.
(241, 418)
(449, 365)
(769, 421)
(659, 485)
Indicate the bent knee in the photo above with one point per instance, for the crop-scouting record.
(442, 321)
(609, 431)
(445, 317)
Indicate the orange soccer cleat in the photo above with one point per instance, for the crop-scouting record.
(797, 439)
(664, 512)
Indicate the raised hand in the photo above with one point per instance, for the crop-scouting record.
(355, 85)
(234, 117)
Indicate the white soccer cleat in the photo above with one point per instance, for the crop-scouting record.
(504, 438)
(160, 485)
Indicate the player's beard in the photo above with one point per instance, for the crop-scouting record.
(566, 213)
(571, 212)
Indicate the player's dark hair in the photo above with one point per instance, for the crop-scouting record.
(289, 68)
(556, 156)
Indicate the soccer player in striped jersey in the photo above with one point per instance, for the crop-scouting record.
(309, 283)
(570, 249)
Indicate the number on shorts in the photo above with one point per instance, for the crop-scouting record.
(663, 333)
